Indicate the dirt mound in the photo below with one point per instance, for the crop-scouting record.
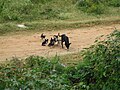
(25, 45)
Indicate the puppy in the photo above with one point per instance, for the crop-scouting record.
(52, 42)
(43, 36)
(45, 42)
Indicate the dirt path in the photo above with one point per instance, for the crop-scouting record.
(25, 45)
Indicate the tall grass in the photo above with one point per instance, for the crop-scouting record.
(28, 10)
(36, 14)
(21, 10)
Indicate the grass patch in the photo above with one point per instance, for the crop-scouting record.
(71, 59)
(46, 25)
(51, 15)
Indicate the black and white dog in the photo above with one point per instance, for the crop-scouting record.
(43, 36)
(45, 42)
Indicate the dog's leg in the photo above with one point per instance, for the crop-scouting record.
(62, 43)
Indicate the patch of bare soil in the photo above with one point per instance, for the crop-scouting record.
(24, 45)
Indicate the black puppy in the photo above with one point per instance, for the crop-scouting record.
(65, 39)
(42, 36)
(45, 42)
(52, 42)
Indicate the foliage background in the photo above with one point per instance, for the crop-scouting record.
(39, 15)
(22, 10)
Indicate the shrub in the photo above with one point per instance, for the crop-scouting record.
(91, 6)
(96, 8)
(14, 9)
(115, 3)
(104, 59)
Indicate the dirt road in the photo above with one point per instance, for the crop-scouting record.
(23, 45)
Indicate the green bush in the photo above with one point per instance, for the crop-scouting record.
(27, 10)
(14, 9)
(115, 3)
(91, 6)
(96, 8)
(104, 59)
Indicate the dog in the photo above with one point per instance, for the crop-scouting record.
(43, 36)
(57, 38)
(65, 39)
(45, 42)
(52, 42)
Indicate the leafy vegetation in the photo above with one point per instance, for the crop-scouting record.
(55, 14)
(29, 10)
(98, 70)
(97, 6)
(92, 6)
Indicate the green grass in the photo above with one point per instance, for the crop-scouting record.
(47, 25)
(50, 15)
(71, 59)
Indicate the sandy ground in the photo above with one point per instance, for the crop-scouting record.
(23, 45)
